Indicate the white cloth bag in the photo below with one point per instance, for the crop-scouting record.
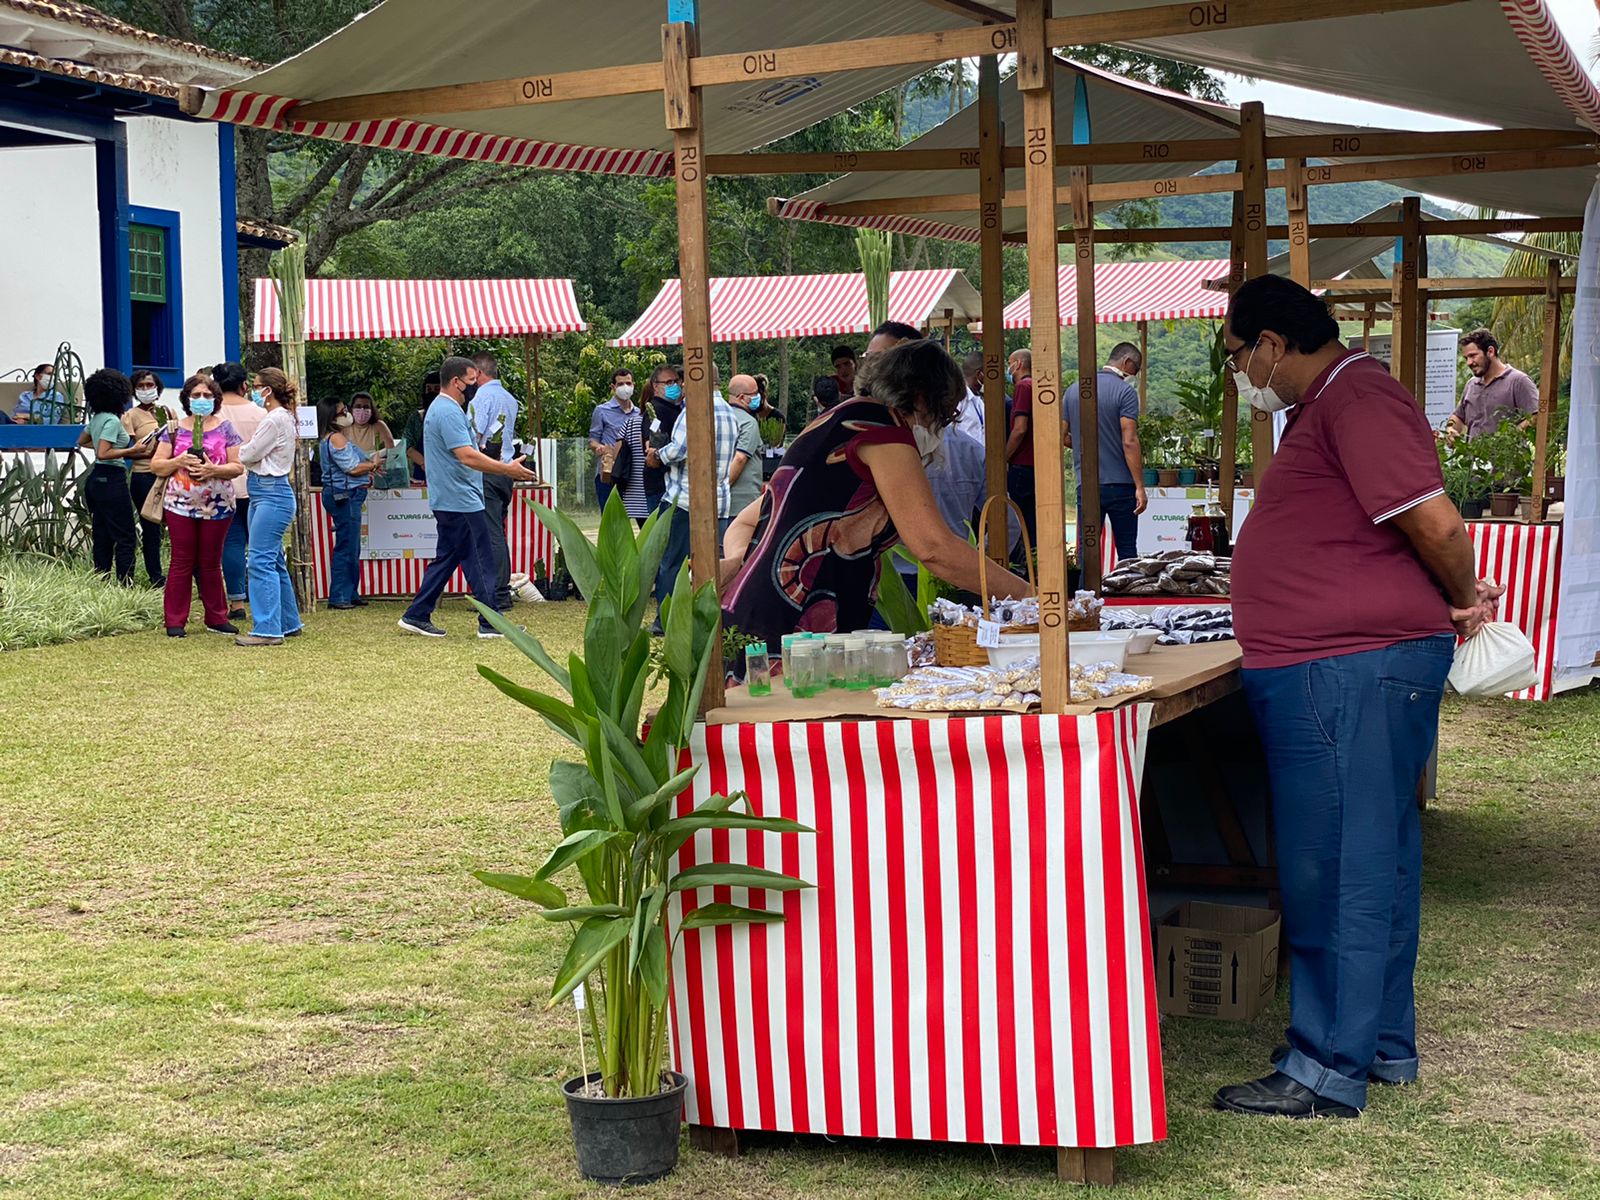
(1496, 660)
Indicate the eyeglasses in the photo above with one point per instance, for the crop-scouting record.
(1233, 355)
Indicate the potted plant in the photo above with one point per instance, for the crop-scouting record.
(1200, 399)
(1158, 436)
(1508, 451)
(1466, 476)
(772, 434)
(622, 824)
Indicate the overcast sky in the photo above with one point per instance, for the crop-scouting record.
(1578, 20)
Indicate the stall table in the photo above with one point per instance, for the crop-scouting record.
(973, 964)
(397, 572)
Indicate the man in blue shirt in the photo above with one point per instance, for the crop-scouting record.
(43, 405)
(960, 487)
(456, 469)
(606, 425)
(492, 412)
(1121, 458)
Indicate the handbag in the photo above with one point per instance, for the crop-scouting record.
(154, 507)
(622, 464)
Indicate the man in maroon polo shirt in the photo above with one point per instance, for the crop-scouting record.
(1351, 577)
(1019, 442)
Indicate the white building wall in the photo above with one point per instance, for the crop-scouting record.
(49, 256)
(173, 165)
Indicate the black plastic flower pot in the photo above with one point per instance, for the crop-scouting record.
(625, 1141)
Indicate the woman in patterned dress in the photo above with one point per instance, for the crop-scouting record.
(851, 486)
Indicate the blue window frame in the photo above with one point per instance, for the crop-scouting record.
(155, 273)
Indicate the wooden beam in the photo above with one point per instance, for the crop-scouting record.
(1465, 141)
(1441, 165)
(1493, 285)
(1228, 451)
(1367, 318)
(1167, 20)
(1086, 1165)
(1220, 233)
(1036, 79)
(1090, 517)
(1299, 224)
(1253, 166)
(1404, 297)
(991, 277)
(678, 42)
(1549, 378)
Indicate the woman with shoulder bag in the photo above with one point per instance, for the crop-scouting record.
(270, 457)
(346, 478)
(627, 469)
(198, 501)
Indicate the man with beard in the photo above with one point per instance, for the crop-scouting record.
(1496, 392)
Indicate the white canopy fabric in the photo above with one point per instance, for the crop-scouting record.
(750, 308)
(418, 43)
(1120, 110)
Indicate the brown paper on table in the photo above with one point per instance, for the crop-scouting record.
(1173, 670)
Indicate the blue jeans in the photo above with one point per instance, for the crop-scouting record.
(344, 572)
(1346, 741)
(602, 492)
(464, 543)
(273, 611)
(677, 552)
(234, 551)
(1117, 502)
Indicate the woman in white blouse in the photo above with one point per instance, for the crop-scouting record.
(269, 455)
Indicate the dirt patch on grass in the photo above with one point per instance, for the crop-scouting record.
(297, 931)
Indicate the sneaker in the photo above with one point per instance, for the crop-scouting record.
(177, 631)
(341, 607)
(486, 632)
(425, 628)
(358, 602)
(227, 627)
(159, 583)
(255, 639)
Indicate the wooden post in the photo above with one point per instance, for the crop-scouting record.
(1367, 319)
(530, 372)
(1299, 222)
(1090, 518)
(1253, 168)
(991, 192)
(1144, 375)
(1229, 449)
(538, 396)
(949, 327)
(1549, 371)
(679, 44)
(1403, 298)
(733, 359)
(1036, 80)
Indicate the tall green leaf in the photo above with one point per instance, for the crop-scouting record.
(575, 548)
(525, 642)
(594, 940)
(557, 715)
(735, 875)
(524, 887)
(573, 847)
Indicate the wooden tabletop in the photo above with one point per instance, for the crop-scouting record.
(1185, 678)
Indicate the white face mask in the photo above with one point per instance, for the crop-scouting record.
(625, 391)
(930, 445)
(344, 421)
(146, 395)
(1263, 398)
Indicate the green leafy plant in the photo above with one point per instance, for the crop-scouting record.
(874, 247)
(620, 834)
(734, 640)
(1508, 452)
(1467, 476)
(41, 506)
(1200, 396)
(772, 431)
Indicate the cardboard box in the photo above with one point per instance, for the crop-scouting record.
(1216, 960)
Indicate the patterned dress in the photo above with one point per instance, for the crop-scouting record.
(813, 562)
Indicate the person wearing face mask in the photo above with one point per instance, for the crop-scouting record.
(105, 491)
(666, 406)
(346, 478)
(414, 428)
(370, 432)
(492, 412)
(1351, 579)
(606, 425)
(144, 422)
(744, 475)
(1019, 442)
(269, 455)
(852, 485)
(1120, 456)
(42, 404)
(198, 505)
(241, 410)
(456, 468)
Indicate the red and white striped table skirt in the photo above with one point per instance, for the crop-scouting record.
(973, 964)
(527, 539)
(1527, 560)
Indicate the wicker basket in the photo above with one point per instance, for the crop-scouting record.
(957, 645)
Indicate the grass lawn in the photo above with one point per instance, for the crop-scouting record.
(240, 954)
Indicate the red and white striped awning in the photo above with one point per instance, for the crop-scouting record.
(343, 309)
(752, 308)
(1125, 292)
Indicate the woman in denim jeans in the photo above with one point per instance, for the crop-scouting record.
(346, 478)
(269, 455)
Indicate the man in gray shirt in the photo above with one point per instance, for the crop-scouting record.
(1496, 389)
(1122, 496)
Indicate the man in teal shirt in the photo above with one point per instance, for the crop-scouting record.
(456, 468)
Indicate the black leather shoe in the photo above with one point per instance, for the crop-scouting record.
(1279, 1096)
(358, 602)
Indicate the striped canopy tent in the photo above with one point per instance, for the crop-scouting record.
(1129, 292)
(349, 309)
(748, 308)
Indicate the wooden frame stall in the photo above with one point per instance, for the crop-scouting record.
(682, 74)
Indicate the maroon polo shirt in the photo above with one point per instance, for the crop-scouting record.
(1320, 569)
(1022, 406)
